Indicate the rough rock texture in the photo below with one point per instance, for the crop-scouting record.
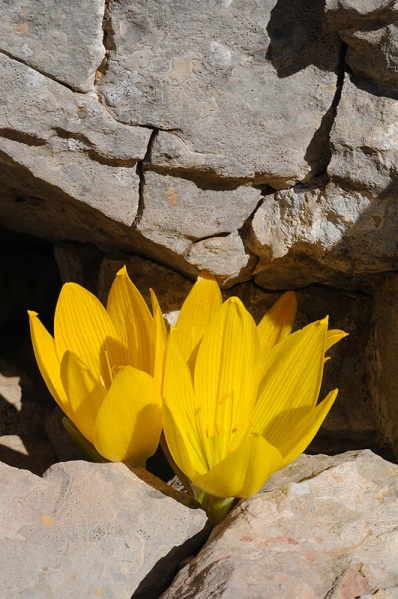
(382, 353)
(324, 527)
(101, 531)
(369, 28)
(56, 39)
(171, 205)
(158, 127)
(197, 71)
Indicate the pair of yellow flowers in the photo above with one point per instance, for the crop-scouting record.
(236, 401)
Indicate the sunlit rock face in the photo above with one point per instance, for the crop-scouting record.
(222, 136)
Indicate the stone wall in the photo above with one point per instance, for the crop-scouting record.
(254, 139)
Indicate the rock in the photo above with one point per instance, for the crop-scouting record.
(224, 82)
(225, 257)
(64, 156)
(381, 361)
(61, 40)
(26, 451)
(324, 235)
(326, 526)
(176, 211)
(79, 263)
(369, 28)
(364, 156)
(101, 532)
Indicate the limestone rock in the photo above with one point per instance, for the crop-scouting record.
(176, 211)
(381, 356)
(101, 532)
(364, 156)
(369, 28)
(66, 151)
(26, 451)
(59, 39)
(304, 235)
(226, 257)
(326, 526)
(226, 79)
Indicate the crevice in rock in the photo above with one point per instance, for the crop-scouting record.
(141, 175)
(321, 138)
(44, 73)
(245, 230)
(108, 42)
(88, 148)
(21, 137)
(159, 579)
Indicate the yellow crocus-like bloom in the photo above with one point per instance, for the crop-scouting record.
(104, 367)
(240, 400)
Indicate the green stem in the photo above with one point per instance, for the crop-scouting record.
(216, 508)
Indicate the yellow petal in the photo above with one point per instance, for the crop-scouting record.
(85, 393)
(82, 326)
(226, 378)
(133, 321)
(201, 304)
(292, 380)
(278, 321)
(129, 421)
(159, 341)
(243, 472)
(184, 437)
(333, 336)
(48, 361)
(298, 438)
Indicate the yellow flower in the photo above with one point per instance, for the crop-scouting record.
(104, 367)
(240, 400)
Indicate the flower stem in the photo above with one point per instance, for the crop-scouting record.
(216, 508)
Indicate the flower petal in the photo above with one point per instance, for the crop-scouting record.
(226, 378)
(243, 472)
(278, 321)
(85, 393)
(82, 326)
(298, 438)
(133, 321)
(129, 421)
(333, 336)
(292, 380)
(201, 304)
(158, 345)
(184, 438)
(48, 361)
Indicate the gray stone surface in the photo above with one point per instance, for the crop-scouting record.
(369, 28)
(307, 235)
(71, 147)
(176, 211)
(364, 156)
(55, 38)
(324, 527)
(226, 257)
(226, 78)
(189, 107)
(90, 530)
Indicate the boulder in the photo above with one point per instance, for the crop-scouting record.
(91, 530)
(323, 527)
